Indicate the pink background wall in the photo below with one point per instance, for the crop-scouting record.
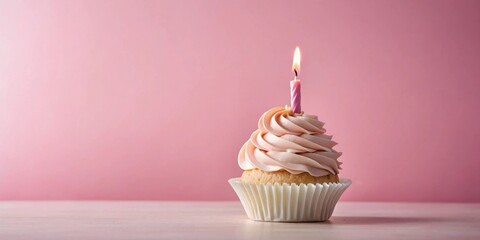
(153, 99)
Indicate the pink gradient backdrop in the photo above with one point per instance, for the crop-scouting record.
(153, 99)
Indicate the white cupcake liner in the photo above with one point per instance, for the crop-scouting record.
(289, 202)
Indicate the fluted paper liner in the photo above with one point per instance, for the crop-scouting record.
(289, 202)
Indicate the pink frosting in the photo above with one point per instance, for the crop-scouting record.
(293, 142)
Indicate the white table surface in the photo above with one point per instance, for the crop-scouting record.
(227, 220)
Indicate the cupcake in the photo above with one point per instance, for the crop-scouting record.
(290, 169)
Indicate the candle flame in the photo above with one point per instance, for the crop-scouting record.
(296, 61)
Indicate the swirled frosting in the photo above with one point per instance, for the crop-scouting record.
(296, 143)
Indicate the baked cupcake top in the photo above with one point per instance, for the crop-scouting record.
(296, 143)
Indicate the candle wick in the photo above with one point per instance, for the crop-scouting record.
(295, 71)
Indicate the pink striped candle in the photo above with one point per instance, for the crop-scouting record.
(295, 96)
(295, 85)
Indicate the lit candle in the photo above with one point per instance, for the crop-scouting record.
(295, 86)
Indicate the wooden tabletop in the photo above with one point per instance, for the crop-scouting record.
(227, 220)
